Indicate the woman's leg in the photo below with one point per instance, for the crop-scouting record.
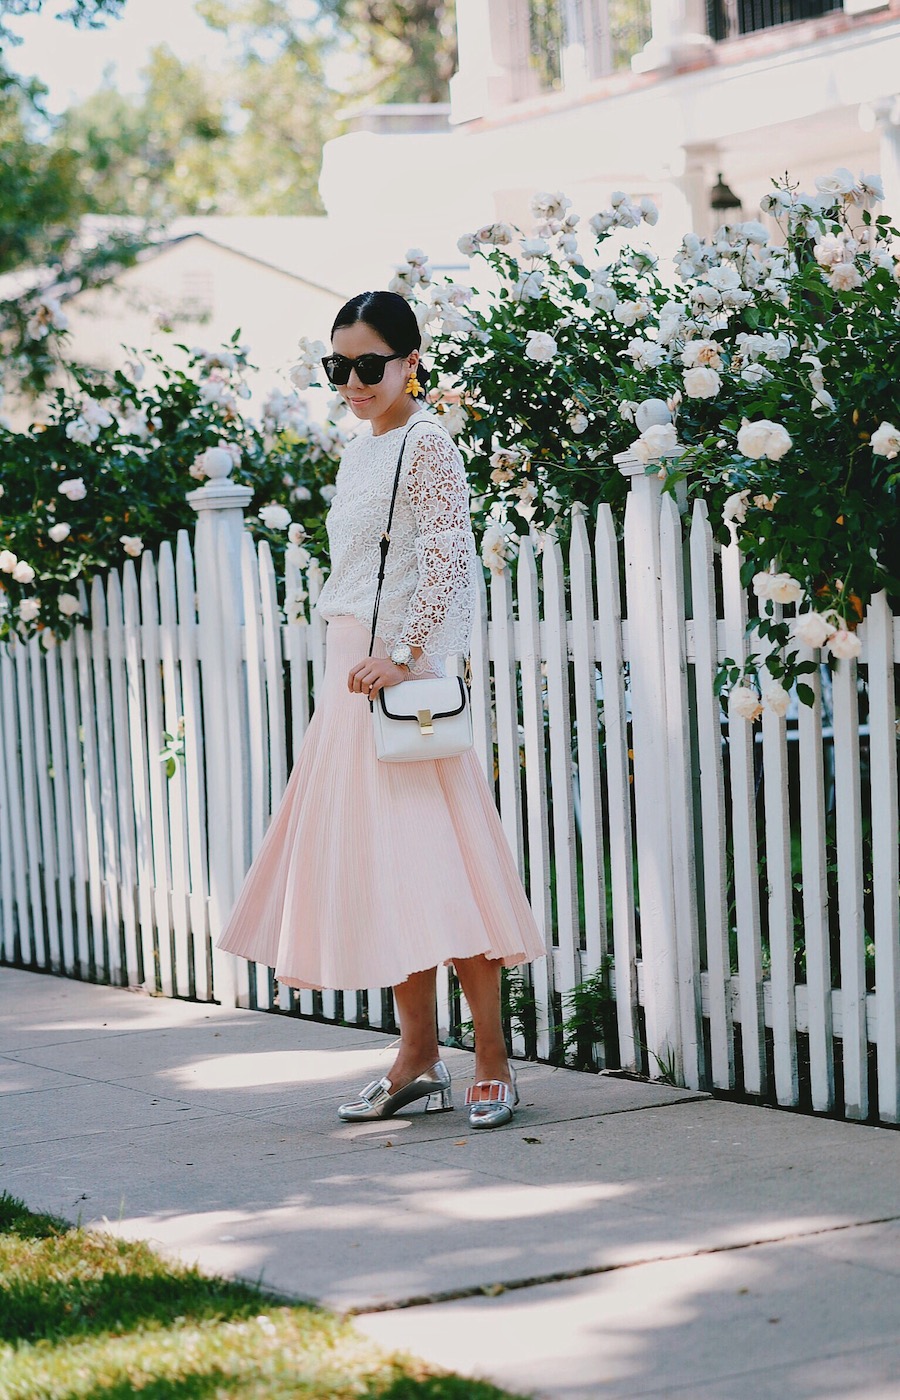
(480, 981)
(416, 1005)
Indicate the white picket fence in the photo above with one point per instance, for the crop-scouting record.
(699, 861)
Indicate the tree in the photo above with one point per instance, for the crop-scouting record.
(404, 50)
(82, 13)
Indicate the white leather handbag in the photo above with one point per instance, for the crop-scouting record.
(430, 718)
(417, 719)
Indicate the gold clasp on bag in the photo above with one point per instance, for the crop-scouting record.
(426, 725)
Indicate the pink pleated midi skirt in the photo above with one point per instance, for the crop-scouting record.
(372, 871)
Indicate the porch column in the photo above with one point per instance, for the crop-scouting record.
(883, 116)
(679, 35)
(485, 78)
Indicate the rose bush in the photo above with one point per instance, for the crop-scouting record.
(105, 476)
(761, 371)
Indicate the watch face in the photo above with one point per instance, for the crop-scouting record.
(401, 655)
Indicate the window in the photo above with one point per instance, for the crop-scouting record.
(729, 18)
(605, 33)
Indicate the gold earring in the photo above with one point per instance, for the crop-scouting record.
(412, 385)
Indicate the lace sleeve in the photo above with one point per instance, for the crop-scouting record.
(439, 617)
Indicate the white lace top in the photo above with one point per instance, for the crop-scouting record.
(428, 595)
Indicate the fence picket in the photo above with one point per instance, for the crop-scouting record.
(107, 822)
(38, 671)
(742, 776)
(481, 681)
(75, 766)
(506, 711)
(882, 658)
(20, 932)
(584, 662)
(173, 788)
(851, 917)
(194, 765)
(92, 818)
(159, 824)
(712, 799)
(257, 725)
(29, 794)
(780, 897)
(567, 959)
(121, 750)
(618, 788)
(134, 669)
(536, 785)
(681, 796)
(816, 937)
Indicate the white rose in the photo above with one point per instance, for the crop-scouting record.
(499, 234)
(578, 422)
(80, 430)
(829, 251)
(68, 604)
(540, 347)
(756, 374)
(735, 508)
(658, 440)
(535, 247)
(651, 413)
(132, 544)
(301, 493)
(453, 418)
(812, 629)
(29, 608)
(493, 548)
(23, 573)
(604, 298)
(296, 533)
(885, 441)
(702, 383)
(777, 588)
(763, 438)
(649, 211)
(59, 532)
(95, 414)
(744, 702)
(48, 639)
(530, 287)
(275, 517)
(298, 556)
(844, 645)
(702, 352)
(467, 245)
(724, 277)
(841, 182)
(779, 442)
(628, 312)
(8, 560)
(776, 699)
(845, 277)
(326, 492)
(74, 489)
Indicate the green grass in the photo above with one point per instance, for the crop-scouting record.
(85, 1315)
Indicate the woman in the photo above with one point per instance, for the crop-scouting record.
(373, 873)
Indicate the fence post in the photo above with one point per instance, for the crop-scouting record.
(220, 506)
(652, 795)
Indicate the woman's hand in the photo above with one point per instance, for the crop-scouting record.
(374, 674)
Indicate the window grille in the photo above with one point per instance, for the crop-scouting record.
(729, 18)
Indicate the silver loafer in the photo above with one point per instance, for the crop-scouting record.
(377, 1100)
(496, 1108)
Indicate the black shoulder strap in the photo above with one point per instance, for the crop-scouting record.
(386, 537)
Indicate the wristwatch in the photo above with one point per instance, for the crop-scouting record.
(402, 656)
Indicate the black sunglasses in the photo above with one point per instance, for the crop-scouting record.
(369, 368)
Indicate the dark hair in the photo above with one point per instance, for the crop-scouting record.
(392, 317)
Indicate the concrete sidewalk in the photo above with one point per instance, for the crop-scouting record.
(620, 1239)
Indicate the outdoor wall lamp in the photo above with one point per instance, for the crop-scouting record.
(722, 199)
